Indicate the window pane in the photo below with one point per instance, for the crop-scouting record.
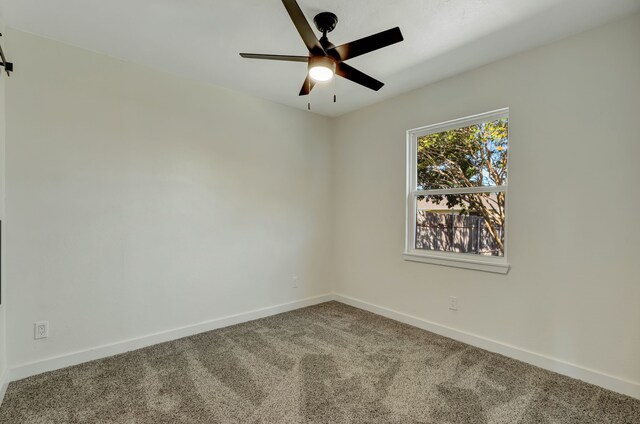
(470, 156)
(463, 223)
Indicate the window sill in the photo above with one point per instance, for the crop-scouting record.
(486, 264)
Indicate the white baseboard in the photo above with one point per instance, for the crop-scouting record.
(4, 382)
(50, 364)
(610, 382)
(616, 384)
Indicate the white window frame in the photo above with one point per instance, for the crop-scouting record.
(454, 259)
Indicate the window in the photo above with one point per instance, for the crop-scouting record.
(457, 192)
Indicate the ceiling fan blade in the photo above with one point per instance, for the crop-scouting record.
(368, 44)
(352, 74)
(303, 27)
(275, 57)
(307, 86)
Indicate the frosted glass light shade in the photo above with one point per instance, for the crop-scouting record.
(320, 73)
(322, 68)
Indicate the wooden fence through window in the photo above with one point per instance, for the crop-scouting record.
(455, 233)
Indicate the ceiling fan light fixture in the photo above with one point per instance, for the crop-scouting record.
(325, 60)
(321, 68)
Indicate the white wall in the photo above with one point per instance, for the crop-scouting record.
(3, 349)
(139, 202)
(574, 235)
(3, 322)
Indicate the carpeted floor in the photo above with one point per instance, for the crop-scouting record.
(329, 363)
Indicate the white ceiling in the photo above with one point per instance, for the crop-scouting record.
(201, 39)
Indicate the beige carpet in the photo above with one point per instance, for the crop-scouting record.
(329, 363)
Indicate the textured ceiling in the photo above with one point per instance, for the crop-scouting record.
(201, 39)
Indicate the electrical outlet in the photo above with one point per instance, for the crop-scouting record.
(41, 330)
(294, 283)
(453, 303)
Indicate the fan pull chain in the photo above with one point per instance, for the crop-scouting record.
(334, 89)
(309, 103)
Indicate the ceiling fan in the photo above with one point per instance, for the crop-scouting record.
(325, 59)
